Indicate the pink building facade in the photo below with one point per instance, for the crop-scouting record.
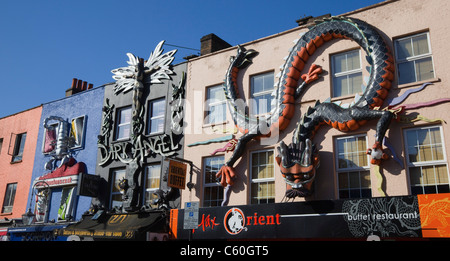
(18, 137)
(416, 142)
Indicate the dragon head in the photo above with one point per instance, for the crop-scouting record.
(298, 163)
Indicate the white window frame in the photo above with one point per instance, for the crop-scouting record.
(260, 180)
(347, 170)
(114, 173)
(120, 124)
(255, 106)
(345, 73)
(83, 132)
(210, 103)
(211, 184)
(151, 190)
(414, 57)
(425, 163)
(151, 117)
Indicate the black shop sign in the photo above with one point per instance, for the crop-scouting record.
(361, 218)
(88, 185)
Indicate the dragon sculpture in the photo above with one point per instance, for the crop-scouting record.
(299, 160)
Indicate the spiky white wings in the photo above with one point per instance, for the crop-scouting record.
(124, 76)
(156, 68)
(158, 64)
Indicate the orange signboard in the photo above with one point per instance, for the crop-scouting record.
(435, 214)
(177, 174)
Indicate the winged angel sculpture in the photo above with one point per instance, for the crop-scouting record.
(139, 73)
(135, 76)
(156, 68)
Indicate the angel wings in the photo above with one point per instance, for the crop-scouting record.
(156, 68)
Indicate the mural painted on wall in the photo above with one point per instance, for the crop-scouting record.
(299, 160)
(138, 75)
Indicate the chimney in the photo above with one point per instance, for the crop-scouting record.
(78, 86)
(309, 19)
(84, 87)
(211, 43)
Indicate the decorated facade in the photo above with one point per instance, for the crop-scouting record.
(141, 127)
(139, 143)
(357, 110)
(334, 129)
(65, 159)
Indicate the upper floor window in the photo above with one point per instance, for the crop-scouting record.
(123, 123)
(353, 168)
(157, 111)
(347, 73)
(19, 146)
(213, 191)
(216, 110)
(8, 201)
(414, 58)
(262, 177)
(77, 131)
(76, 134)
(427, 165)
(261, 93)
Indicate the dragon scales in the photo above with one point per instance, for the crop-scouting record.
(299, 160)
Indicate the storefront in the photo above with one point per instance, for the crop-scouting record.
(36, 233)
(102, 226)
(361, 219)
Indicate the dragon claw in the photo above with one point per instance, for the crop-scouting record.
(377, 154)
(226, 175)
(313, 74)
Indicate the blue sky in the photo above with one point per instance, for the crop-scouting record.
(44, 44)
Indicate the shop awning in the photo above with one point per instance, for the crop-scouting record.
(3, 231)
(36, 228)
(38, 232)
(118, 226)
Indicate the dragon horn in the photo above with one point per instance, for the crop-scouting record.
(284, 152)
(306, 160)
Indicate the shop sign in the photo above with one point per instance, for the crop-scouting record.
(60, 181)
(177, 174)
(125, 151)
(88, 185)
(359, 218)
(435, 215)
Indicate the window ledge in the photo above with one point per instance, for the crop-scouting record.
(154, 134)
(212, 125)
(15, 162)
(411, 84)
(120, 141)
